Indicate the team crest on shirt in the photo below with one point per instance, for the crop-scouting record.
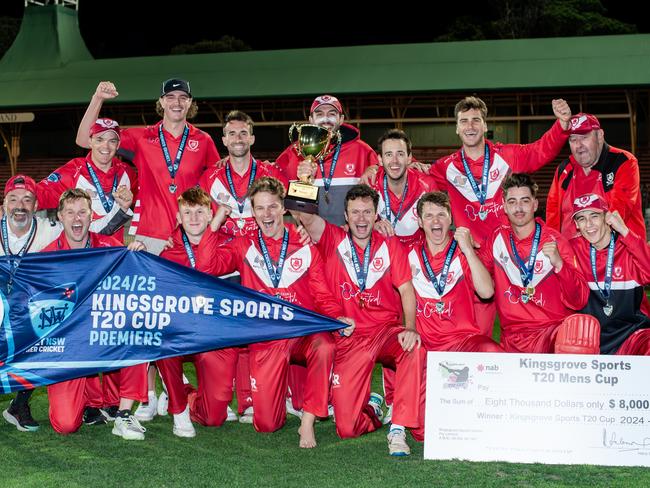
(295, 263)
(450, 277)
(378, 263)
(349, 169)
(618, 272)
(539, 265)
(494, 174)
(193, 145)
(610, 179)
(54, 177)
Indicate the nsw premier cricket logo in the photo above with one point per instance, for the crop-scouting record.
(454, 375)
(49, 308)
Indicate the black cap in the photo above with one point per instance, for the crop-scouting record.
(175, 84)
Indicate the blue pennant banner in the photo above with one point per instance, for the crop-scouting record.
(73, 313)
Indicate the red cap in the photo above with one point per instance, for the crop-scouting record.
(102, 125)
(590, 201)
(20, 182)
(326, 100)
(583, 124)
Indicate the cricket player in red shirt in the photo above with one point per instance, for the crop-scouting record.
(372, 279)
(208, 404)
(537, 281)
(72, 400)
(616, 262)
(341, 168)
(109, 182)
(275, 262)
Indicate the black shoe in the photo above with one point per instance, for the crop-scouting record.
(109, 413)
(21, 417)
(93, 416)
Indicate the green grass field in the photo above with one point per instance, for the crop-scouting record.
(235, 455)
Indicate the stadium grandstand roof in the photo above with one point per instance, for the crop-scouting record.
(49, 65)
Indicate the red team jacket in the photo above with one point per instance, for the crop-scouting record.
(155, 214)
(630, 273)
(74, 174)
(441, 327)
(407, 229)
(215, 183)
(301, 282)
(449, 175)
(96, 240)
(529, 327)
(615, 177)
(389, 269)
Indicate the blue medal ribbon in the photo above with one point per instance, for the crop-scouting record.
(362, 273)
(527, 269)
(173, 167)
(188, 249)
(327, 182)
(241, 201)
(481, 193)
(440, 283)
(107, 200)
(388, 211)
(5, 238)
(274, 273)
(606, 292)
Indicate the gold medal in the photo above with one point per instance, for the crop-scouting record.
(530, 290)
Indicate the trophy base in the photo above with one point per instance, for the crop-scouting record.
(302, 197)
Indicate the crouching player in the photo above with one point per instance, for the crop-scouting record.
(208, 404)
(617, 264)
(274, 261)
(372, 279)
(537, 283)
(80, 398)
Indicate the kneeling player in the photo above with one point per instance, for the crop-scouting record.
(275, 262)
(537, 283)
(617, 264)
(68, 398)
(208, 404)
(372, 279)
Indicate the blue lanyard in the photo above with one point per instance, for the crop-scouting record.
(107, 200)
(5, 238)
(188, 249)
(362, 274)
(481, 194)
(172, 167)
(605, 293)
(241, 202)
(389, 214)
(440, 283)
(327, 182)
(527, 270)
(274, 274)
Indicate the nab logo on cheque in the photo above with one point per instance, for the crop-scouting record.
(455, 376)
(49, 308)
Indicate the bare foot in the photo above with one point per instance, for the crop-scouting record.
(306, 431)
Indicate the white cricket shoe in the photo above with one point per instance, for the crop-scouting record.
(147, 411)
(232, 416)
(397, 445)
(128, 428)
(388, 417)
(163, 403)
(247, 416)
(183, 424)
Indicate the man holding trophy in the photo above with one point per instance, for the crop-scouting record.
(336, 170)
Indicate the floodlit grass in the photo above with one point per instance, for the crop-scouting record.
(235, 455)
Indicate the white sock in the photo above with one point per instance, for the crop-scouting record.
(396, 427)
